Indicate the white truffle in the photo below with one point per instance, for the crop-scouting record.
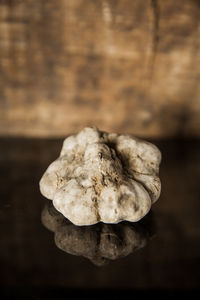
(103, 177)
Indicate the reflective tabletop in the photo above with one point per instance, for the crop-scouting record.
(44, 256)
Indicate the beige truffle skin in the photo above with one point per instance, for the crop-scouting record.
(101, 177)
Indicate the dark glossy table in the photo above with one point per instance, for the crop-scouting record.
(33, 267)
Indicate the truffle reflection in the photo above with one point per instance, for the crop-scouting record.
(101, 242)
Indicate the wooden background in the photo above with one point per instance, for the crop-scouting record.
(123, 65)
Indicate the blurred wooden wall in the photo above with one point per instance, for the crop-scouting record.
(123, 65)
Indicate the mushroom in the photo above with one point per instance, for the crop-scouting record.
(102, 177)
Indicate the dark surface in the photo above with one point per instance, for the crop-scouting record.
(30, 262)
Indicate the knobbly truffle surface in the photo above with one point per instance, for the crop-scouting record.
(102, 177)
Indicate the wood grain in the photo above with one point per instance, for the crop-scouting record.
(126, 66)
